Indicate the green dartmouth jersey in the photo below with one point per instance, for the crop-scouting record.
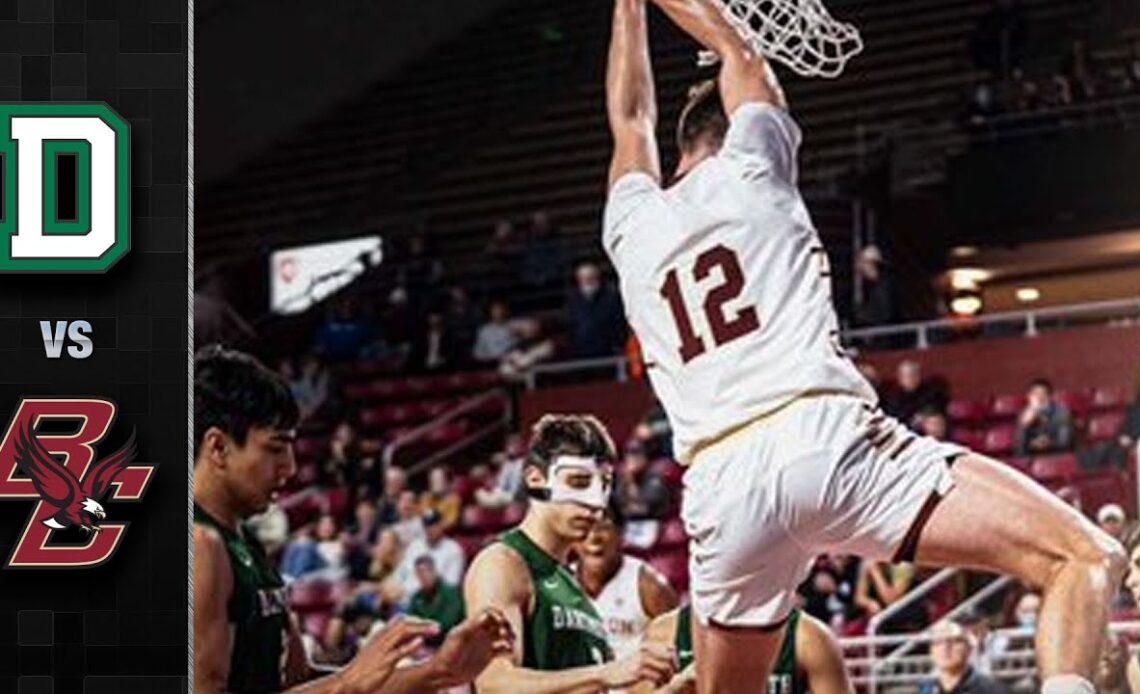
(564, 629)
(257, 612)
(785, 678)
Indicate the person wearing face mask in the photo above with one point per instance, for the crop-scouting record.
(595, 315)
(568, 477)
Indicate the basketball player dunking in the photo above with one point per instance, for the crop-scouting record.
(725, 282)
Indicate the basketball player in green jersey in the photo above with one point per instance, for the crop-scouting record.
(245, 638)
(563, 645)
(808, 660)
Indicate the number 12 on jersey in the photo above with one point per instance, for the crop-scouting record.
(724, 328)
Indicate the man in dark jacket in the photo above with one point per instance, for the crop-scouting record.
(595, 316)
(951, 651)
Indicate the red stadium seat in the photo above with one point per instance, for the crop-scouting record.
(513, 514)
(336, 501)
(471, 544)
(1078, 401)
(674, 565)
(970, 438)
(1000, 440)
(1109, 398)
(483, 520)
(1019, 464)
(669, 471)
(446, 434)
(1006, 406)
(1054, 469)
(966, 411)
(310, 596)
(1105, 426)
(1100, 488)
(361, 390)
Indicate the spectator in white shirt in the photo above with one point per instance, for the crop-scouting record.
(496, 338)
(444, 551)
(409, 527)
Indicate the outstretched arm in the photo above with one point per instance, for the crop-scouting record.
(744, 75)
(631, 103)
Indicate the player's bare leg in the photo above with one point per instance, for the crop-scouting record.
(732, 660)
(997, 519)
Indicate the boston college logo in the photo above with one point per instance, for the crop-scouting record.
(68, 481)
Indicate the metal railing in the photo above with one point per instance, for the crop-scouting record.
(870, 674)
(1028, 323)
(421, 432)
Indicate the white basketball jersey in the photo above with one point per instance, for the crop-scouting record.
(619, 605)
(726, 283)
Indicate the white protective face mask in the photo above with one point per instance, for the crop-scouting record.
(595, 496)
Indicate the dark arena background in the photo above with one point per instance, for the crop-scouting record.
(399, 208)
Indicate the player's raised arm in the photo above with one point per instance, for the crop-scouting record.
(745, 76)
(631, 103)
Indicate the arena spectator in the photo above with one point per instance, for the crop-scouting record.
(216, 321)
(272, 530)
(1130, 428)
(410, 526)
(912, 393)
(544, 256)
(363, 532)
(505, 486)
(882, 585)
(1079, 74)
(435, 599)
(346, 631)
(310, 388)
(445, 552)
(503, 250)
(595, 315)
(495, 338)
(952, 650)
(395, 482)
(1111, 673)
(1027, 609)
(877, 301)
(655, 433)
(383, 584)
(829, 591)
(434, 349)
(343, 334)
(1045, 425)
(422, 271)
(442, 498)
(300, 556)
(462, 319)
(398, 321)
(341, 466)
(330, 545)
(1111, 519)
(531, 348)
(933, 423)
(987, 644)
(640, 491)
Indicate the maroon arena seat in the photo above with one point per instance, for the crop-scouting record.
(669, 470)
(1105, 426)
(1109, 398)
(1078, 401)
(513, 514)
(308, 447)
(310, 596)
(336, 501)
(1019, 463)
(1000, 440)
(471, 544)
(970, 438)
(360, 390)
(1006, 406)
(1058, 468)
(966, 411)
(483, 520)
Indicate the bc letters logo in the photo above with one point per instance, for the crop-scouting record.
(64, 188)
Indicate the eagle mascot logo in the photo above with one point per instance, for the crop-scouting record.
(77, 500)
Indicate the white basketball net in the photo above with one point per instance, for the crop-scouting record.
(799, 33)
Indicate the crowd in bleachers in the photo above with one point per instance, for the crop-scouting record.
(1037, 87)
(361, 542)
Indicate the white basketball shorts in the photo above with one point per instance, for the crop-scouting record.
(826, 474)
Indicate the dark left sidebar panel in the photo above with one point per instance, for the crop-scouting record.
(94, 278)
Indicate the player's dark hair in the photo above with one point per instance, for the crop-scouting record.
(568, 434)
(703, 120)
(1043, 383)
(234, 392)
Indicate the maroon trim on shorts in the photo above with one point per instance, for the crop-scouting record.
(909, 545)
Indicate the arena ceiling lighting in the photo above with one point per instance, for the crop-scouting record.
(1027, 295)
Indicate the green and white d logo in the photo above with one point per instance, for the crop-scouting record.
(65, 191)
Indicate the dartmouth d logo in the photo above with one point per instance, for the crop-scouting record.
(64, 187)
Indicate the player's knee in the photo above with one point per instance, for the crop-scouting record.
(1101, 559)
